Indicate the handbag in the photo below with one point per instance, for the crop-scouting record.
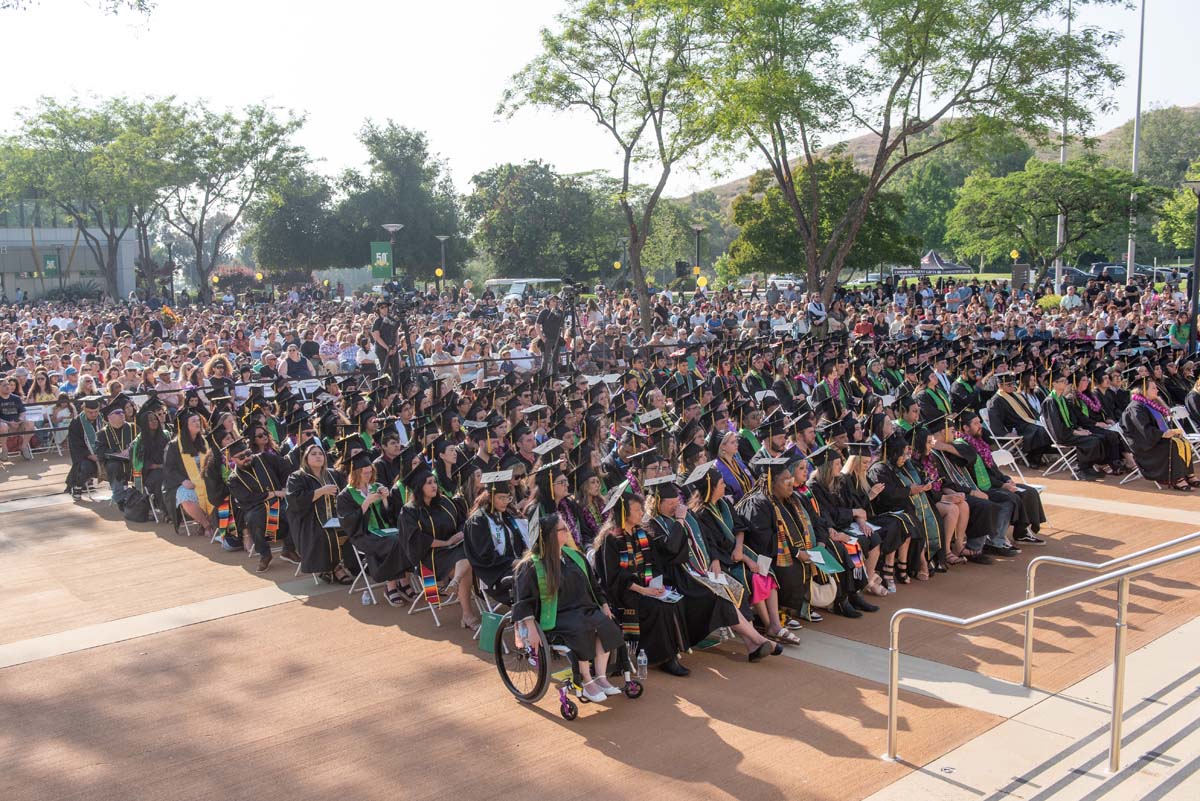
(821, 595)
(137, 508)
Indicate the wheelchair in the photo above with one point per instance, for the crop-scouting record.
(526, 670)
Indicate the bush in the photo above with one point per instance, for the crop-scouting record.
(1049, 302)
(85, 290)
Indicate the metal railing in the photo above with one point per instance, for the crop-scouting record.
(1122, 576)
(1094, 567)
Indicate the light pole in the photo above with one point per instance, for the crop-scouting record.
(170, 265)
(441, 270)
(1192, 282)
(393, 229)
(698, 228)
(1062, 159)
(1137, 134)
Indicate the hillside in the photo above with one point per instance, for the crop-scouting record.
(862, 150)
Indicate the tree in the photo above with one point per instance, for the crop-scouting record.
(1176, 226)
(769, 241)
(404, 183)
(229, 162)
(1169, 141)
(918, 76)
(634, 66)
(1020, 211)
(291, 227)
(95, 163)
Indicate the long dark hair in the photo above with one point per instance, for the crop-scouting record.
(545, 546)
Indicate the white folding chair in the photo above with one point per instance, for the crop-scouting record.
(363, 578)
(187, 525)
(421, 602)
(1068, 456)
(1004, 458)
(1183, 421)
(1136, 473)
(1009, 441)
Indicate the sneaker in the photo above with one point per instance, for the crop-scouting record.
(289, 556)
(26, 453)
(1001, 550)
(226, 546)
(1029, 539)
(596, 696)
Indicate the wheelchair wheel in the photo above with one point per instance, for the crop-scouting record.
(633, 689)
(569, 710)
(524, 670)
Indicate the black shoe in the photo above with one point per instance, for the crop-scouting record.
(1005, 550)
(673, 667)
(846, 610)
(1029, 539)
(981, 559)
(862, 604)
(1089, 474)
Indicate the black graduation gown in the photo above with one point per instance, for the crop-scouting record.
(703, 610)
(762, 538)
(492, 564)
(891, 529)
(1091, 449)
(109, 442)
(659, 625)
(153, 448)
(965, 396)
(1113, 444)
(720, 544)
(822, 525)
(580, 619)
(385, 556)
(841, 516)
(419, 527)
(614, 469)
(83, 469)
(319, 549)
(1191, 403)
(894, 498)
(1035, 440)
(1159, 458)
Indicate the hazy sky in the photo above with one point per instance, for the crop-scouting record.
(437, 66)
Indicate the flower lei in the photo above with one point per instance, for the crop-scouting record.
(931, 471)
(1092, 404)
(980, 447)
(1157, 406)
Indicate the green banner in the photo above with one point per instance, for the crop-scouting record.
(50, 266)
(381, 260)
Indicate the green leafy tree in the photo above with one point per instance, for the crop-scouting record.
(1169, 141)
(636, 68)
(404, 182)
(1020, 211)
(769, 241)
(791, 74)
(1176, 226)
(291, 227)
(96, 163)
(230, 161)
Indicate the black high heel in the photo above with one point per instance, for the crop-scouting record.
(902, 576)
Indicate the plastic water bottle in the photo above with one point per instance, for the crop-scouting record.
(642, 664)
(366, 598)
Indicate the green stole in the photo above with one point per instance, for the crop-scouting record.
(978, 469)
(137, 462)
(926, 516)
(374, 520)
(1062, 409)
(753, 440)
(549, 616)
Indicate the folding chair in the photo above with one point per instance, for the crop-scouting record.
(362, 576)
(1009, 442)
(421, 602)
(183, 521)
(1068, 459)
(1136, 473)
(1004, 458)
(1183, 421)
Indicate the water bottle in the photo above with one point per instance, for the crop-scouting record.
(366, 598)
(642, 664)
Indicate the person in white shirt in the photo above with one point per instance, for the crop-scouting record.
(1071, 300)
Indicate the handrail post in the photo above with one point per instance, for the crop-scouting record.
(1118, 693)
(1027, 673)
(893, 687)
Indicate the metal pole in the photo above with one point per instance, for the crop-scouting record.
(1062, 159)
(1137, 134)
(1192, 276)
(1027, 674)
(893, 689)
(1118, 693)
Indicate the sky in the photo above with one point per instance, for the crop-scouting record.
(440, 67)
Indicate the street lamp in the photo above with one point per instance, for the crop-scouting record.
(697, 227)
(1192, 282)
(441, 270)
(393, 229)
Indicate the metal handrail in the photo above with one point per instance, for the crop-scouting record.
(1095, 567)
(1123, 576)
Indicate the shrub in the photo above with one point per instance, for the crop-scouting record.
(1049, 302)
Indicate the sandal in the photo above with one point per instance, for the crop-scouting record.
(1182, 485)
(394, 598)
(877, 587)
(1193, 481)
(955, 559)
(784, 637)
(889, 581)
(406, 592)
(902, 576)
(344, 579)
(450, 588)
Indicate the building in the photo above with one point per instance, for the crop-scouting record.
(41, 251)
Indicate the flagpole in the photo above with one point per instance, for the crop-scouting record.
(1137, 134)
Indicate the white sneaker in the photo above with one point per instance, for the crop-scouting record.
(26, 453)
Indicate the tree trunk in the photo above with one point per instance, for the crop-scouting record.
(639, 283)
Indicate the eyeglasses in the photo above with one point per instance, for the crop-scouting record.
(261, 435)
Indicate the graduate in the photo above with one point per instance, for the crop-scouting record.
(311, 505)
(364, 518)
(81, 445)
(257, 486)
(1160, 449)
(491, 537)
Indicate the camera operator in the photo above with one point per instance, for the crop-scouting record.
(550, 324)
(383, 335)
